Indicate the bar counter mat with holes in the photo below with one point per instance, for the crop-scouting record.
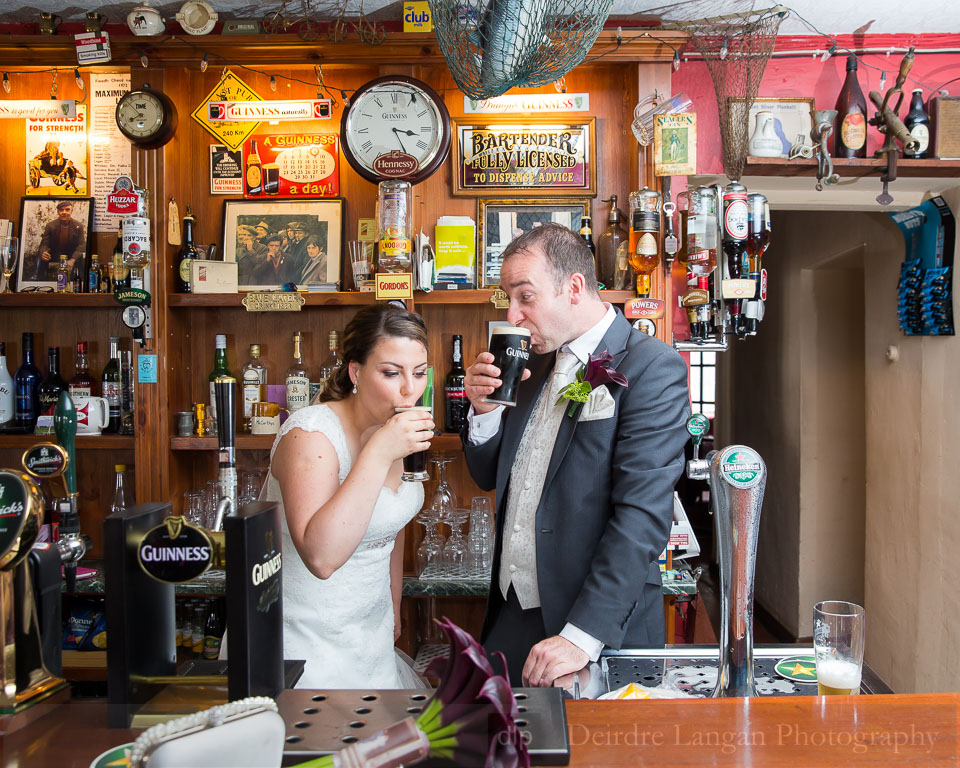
(320, 722)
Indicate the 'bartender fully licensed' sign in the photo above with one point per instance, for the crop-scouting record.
(535, 156)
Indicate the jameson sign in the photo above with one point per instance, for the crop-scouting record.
(542, 157)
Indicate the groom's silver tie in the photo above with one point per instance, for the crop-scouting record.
(518, 562)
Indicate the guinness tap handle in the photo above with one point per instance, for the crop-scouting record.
(225, 391)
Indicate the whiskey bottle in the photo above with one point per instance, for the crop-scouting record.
(220, 368)
(254, 384)
(82, 384)
(111, 386)
(454, 395)
(53, 385)
(63, 276)
(297, 380)
(93, 275)
(26, 387)
(850, 127)
(253, 176)
(121, 272)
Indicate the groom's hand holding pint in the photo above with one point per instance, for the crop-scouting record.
(482, 379)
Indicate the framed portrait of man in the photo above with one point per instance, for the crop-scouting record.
(281, 242)
(49, 228)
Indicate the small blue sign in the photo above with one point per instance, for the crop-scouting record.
(147, 369)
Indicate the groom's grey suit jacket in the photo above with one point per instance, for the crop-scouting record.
(607, 504)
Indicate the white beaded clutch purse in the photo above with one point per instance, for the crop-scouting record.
(242, 734)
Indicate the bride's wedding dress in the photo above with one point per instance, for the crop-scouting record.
(343, 626)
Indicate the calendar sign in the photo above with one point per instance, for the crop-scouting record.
(293, 165)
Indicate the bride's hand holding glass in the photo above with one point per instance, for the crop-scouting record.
(403, 433)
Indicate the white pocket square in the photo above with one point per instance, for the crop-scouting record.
(600, 405)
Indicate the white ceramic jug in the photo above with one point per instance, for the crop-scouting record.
(765, 142)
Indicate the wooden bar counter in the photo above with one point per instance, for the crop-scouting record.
(798, 732)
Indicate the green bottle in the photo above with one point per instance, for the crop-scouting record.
(219, 369)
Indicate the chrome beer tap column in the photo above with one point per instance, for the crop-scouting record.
(737, 477)
(225, 391)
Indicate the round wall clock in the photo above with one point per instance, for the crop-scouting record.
(147, 118)
(395, 128)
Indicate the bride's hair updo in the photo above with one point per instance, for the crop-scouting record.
(362, 334)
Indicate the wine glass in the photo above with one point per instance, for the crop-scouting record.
(444, 499)
(9, 249)
(455, 550)
(431, 548)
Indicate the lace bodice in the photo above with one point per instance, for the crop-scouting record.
(343, 626)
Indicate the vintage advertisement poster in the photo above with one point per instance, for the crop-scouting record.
(535, 156)
(675, 144)
(109, 149)
(291, 165)
(230, 132)
(57, 155)
(226, 170)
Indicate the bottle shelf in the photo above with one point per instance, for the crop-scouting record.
(60, 300)
(444, 442)
(856, 167)
(354, 298)
(83, 442)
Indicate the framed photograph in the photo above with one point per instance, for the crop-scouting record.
(792, 118)
(500, 221)
(537, 156)
(50, 227)
(283, 241)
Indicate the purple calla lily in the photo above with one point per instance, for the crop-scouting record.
(599, 371)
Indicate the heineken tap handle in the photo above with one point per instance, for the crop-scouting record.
(65, 428)
(697, 427)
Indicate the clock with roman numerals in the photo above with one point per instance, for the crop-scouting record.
(395, 128)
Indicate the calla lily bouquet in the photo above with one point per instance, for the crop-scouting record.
(470, 719)
(595, 373)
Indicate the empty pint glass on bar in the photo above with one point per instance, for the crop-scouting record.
(838, 640)
(510, 347)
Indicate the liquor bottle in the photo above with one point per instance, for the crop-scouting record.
(644, 250)
(188, 252)
(120, 501)
(220, 368)
(586, 234)
(850, 127)
(82, 384)
(111, 386)
(454, 395)
(758, 240)
(917, 122)
(254, 172)
(213, 630)
(63, 276)
(254, 384)
(53, 385)
(735, 230)
(611, 245)
(332, 360)
(135, 278)
(127, 392)
(26, 387)
(78, 280)
(297, 380)
(121, 272)
(93, 275)
(106, 285)
(6, 388)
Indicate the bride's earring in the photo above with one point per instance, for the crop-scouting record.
(354, 387)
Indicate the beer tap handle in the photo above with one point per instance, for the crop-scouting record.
(226, 396)
(697, 427)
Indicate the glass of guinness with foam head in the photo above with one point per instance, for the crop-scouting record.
(510, 347)
(415, 464)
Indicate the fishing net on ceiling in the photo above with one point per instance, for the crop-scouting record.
(493, 45)
(735, 47)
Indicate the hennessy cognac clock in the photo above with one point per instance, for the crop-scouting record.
(395, 128)
(146, 117)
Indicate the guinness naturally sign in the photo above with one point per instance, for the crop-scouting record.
(176, 551)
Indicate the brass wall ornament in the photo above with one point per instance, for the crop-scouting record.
(286, 301)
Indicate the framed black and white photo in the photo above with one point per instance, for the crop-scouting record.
(282, 242)
(51, 227)
(500, 221)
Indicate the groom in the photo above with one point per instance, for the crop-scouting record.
(584, 500)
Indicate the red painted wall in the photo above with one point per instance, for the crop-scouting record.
(808, 76)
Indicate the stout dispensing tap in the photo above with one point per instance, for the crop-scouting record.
(225, 392)
(737, 477)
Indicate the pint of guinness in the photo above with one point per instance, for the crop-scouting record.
(510, 347)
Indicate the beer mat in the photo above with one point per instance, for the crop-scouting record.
(799, 669)
(116, 756)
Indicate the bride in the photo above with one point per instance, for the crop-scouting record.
(335, 467)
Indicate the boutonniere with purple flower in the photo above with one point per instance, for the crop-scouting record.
(595, 373)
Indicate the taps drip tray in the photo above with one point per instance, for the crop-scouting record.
(321, 722)
(693, 669)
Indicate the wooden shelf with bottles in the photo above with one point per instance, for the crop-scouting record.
(857, 167)
(444, 442)
(37, 300)
(83, 442)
